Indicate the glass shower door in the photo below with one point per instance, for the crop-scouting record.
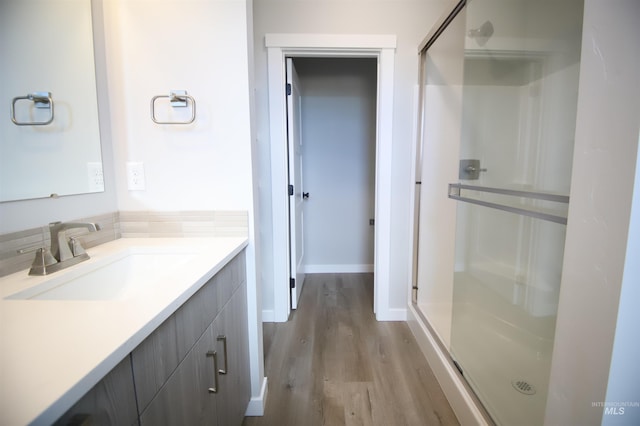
(519, 100)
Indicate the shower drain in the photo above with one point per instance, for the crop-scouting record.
(524, 387)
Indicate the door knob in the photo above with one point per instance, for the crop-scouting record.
(305, 195)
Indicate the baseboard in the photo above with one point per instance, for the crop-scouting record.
(258, 403)
(392, 315)
(462, 402)
(268, 315)
(337, 269)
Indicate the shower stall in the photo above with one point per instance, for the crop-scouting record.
(498, 101)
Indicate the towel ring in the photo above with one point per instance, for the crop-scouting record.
(177, 99)
(41, 100)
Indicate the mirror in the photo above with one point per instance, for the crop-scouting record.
(46, 48)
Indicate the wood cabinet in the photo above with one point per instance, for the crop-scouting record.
(172, 370)
(110, 402)
(187, 397)
(234, 389)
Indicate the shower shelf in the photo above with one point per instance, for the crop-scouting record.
(455, 190)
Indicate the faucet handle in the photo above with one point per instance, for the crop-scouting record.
(43, 260)
(76, 247)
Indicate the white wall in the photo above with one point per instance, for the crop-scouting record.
(339, 142)
(205, 165)
(604, 168)
(409, 20)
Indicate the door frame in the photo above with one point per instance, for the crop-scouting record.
(381, 47)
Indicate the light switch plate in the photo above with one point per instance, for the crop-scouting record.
(135, 176)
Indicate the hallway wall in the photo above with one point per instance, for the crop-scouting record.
(339, 141)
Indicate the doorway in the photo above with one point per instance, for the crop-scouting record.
(337, 128)
(380, 47)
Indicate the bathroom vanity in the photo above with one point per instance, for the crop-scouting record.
(168, 348)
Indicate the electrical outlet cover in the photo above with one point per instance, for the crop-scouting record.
(96, 177)
(135, 176)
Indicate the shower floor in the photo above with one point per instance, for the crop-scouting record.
(494, 344)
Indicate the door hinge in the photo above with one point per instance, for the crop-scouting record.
(290, 189)
(288, 89)
(292, 283)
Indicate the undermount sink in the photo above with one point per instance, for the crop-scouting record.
(117, 277)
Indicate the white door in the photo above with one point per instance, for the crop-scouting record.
(296, 195)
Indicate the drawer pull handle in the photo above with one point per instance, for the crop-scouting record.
(223, 338)
(214, 355)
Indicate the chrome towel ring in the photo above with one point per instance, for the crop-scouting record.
(177, 99)
(41, 100)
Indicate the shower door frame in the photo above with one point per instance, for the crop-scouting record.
(438, 28)
(462, 397)
(459, 394)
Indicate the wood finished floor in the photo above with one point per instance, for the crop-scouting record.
(334, 364)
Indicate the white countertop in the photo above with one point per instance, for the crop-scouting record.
(53, 351)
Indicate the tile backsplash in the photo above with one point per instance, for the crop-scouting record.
(183, 224)
(124, 224)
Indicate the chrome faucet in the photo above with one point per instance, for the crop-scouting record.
(61, 248)
(64, 252)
